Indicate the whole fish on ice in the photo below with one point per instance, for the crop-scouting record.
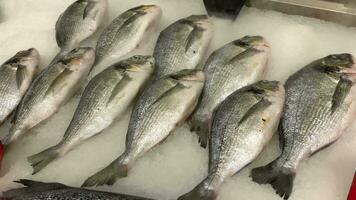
(127, 31)
(235, 65)
(78, 22)
(107, 97)
(182, 45)
(34, 190)
(162, 107)
(16, 75)
(50, 90)
(242, 125)
(319, 104)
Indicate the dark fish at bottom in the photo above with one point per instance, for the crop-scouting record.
(55, 191)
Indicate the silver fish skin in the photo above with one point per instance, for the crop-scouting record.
(78, 22)
(182, 45)
(34, 190)
(16, 75)
(242, 125)
(50, 90)
(233, 66)
(127, 31)
(320, 104)
(161, 108)
(106, 97)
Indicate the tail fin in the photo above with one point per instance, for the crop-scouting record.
(42, 159)
(107, 176)
(199, 193)
(280, 178)
(32, 186)
(202, 128)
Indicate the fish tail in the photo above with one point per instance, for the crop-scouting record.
(107, 176)
(42, 159)
(202, 128)
(281, 178)
(200, 193)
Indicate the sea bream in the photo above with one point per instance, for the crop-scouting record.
(241, 126)
(162, 107)
(16, 75)
(35, 190)
(233, 66)
(182, 45)
(50, 90)
(106, 97)
(78, 22)
(126, 32)
(320, 104)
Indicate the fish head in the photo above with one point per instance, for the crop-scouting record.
(339, 64)
(257, 42)
(151, 11)
(201, 21)
(79, 56)
(139, 63)
(268, 88)
(29, 58)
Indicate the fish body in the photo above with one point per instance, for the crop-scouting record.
(50, 90)
(319, 104)
(126, 32)
(78, 22)
(106, 97)
(53, 191)
(182, 45)
(16, 75)
(235, 65)
(161, 108)
(242, 125)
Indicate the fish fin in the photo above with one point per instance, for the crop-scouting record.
(20, 75)
(90, 10)
(280, 178)
(281, 136)
(42, 159)
(31, 187)
(261, 105)
(132, 18)
(342, 90)
(200, 193)
(202, 128)
(107, 176)
(195, 34)
(245, 54)
(58, 82)
(58, 38)
(119, 86)
(172, 90)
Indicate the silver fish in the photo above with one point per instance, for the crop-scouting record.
(78, 22)
(242, 125)
(161, 108)
(107, 97)
(34, 190)
(50, 90)
(320, 100)
(182, 45)
(16, 75)
(125, 33)
(235, 65)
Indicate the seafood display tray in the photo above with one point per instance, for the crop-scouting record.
(178, 164)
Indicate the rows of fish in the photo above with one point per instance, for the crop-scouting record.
(228, 104)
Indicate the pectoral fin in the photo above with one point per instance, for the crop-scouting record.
(20, 75)
(261, 105)
(342, 90)
(90, 11)
(57, 83)
(171, 91)
(246, 54)
(119, 87)
(196, 33)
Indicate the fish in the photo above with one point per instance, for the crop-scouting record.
(53, 87)
(182, 45)
(127, 31)
(16, 75)
(242, 125)
(320, 104)
(78, 22)
(35, 190)
(162, 107)
(106, 98)
(226, 9)
(229, 68)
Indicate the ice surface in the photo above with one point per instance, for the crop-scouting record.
(178, 164)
